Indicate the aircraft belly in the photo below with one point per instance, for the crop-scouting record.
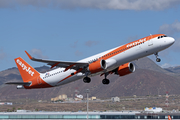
(70, 79)
(53, 79)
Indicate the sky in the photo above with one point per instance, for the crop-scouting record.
(70, 30)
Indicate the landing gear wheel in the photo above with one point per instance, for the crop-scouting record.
(158, 60)
(105, 81)
(87, 79)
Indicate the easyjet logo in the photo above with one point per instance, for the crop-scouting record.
(137, 42)
(24, 67)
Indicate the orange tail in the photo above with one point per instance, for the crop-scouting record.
(169, 117)
(27, 72)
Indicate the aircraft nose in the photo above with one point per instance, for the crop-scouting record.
(171, 40)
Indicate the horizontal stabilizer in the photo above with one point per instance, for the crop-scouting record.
(19, 83)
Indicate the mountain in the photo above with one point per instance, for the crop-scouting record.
(148, 79)
(174, 70)
(13, 74)
(146, 63)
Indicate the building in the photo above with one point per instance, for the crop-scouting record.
(83, 115)
(93, 98)
(78, 97)
(62, 97)
(153, 109)
(6, 103)
(115, 99)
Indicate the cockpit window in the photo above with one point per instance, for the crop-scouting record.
(162, 36)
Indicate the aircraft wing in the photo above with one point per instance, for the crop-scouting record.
(64, 64)
(19, 83)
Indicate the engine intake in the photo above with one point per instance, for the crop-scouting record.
(97, 66)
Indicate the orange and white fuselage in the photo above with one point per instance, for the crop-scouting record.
(115, 60)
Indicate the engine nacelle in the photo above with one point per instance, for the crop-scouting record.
(110, 63)
(97, 66)
(125, 69)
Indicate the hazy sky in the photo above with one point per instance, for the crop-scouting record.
(71, 30)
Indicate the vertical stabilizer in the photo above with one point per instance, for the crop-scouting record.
(27, 72)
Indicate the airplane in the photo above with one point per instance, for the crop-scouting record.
(114, 61)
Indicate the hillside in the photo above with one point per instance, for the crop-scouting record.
(148, 64)
(174, 70)
(148, 79)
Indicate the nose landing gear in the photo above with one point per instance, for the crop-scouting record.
(157, 59)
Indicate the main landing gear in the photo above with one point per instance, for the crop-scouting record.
(104, 81)
(157, 59)
(87, 79)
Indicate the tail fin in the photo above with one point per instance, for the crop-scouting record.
(27, 72)
(169, 117)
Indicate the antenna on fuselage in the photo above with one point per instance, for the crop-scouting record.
(151, 35)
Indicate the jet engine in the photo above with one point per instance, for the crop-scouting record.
(97, 66)
(125, 69)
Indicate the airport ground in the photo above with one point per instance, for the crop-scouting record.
(126, 103)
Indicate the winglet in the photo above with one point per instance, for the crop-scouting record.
(30, 57)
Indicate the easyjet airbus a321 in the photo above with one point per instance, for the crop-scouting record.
(115, 61)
